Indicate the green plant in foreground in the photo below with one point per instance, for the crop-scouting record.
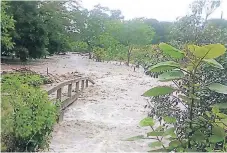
(202, 129)
(27, 115)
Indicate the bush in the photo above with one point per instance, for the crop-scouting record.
(79, 46)
(34, 80)
(28, 116)
(99, 54)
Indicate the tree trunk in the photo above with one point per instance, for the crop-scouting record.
(90, 56)
(129, 55)
(89, 49)
(128, 59)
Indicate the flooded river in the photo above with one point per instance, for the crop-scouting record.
(106, 113)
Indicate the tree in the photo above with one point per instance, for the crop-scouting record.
(30, 35)
(7, 27)
(159, 30)
(116, 15)
(206, 7)
(57, 20)
(134, 33)
(90, 28)
(191, 28)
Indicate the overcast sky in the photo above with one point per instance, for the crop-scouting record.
(162, 10)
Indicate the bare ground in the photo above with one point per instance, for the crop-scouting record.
(106, 113)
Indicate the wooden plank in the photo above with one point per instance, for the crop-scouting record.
(59, 92)
(82, 84)
(87, 83)
(69, 101)
(60, 85)
(77, 86)
(63, 84)
(69, 90)
(91, 81)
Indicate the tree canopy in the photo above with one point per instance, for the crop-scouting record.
(38, 28)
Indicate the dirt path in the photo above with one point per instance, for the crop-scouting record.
(106, 113)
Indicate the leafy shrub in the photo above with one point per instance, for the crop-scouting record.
(34, 80)
(28, 116)
(99, 54)
(190, 124)
(79, 46)
(22, 53)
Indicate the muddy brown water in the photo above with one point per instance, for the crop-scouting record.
(106, 113)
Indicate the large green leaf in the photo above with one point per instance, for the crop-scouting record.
(215, 50)
(170, 131)
(155, 133)
(215, 110)
(155, 144)
(222, 115)
(224, 121)
(218, 134)
(208, 51)
(174, 144)
(209, 149)
(171, 51)
(171, 75)
(158, 91)
(215, 139)
(148, 121)
(135, 138)
(219, 88)
(158, 150)
(169, 120)
(198, 136)
(163, 66)
(220, 105)
(218, 131)
(213, 63)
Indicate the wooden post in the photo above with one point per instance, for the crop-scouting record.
(82, 85)
(59, 94)
(86, 83)
(69, 90)
(61, 115)
(77, 87)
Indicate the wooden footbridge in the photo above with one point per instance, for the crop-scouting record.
(72, 94)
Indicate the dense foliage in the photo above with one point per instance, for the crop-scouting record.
(41, 28)
(7, 27)
(27, 116)
(34, 29)
(194, 124)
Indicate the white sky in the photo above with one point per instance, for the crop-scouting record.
(162, 10)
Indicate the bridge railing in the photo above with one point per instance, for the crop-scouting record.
(81, 83)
